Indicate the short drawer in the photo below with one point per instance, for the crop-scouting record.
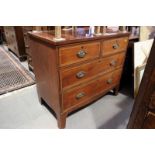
(78, 74)
(114, 45)
(109, 80)
(77, 53)
(82, 94)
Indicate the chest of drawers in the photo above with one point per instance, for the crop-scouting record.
(73, 73)
(15, 40)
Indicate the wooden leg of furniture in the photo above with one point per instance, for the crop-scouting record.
(116, 89)
(61, 119)
(40, 100)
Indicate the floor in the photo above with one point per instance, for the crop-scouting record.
(21, 109)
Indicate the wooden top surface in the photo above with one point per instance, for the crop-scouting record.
(70, 36)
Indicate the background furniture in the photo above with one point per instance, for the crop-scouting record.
(78, 70)
(128, 71)
(15, 41)
(141, 53)
(2, 35)
(143, 113)
(1, 38)
(27, 29)
(147, 32)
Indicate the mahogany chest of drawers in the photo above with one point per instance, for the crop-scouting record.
(73, 73)
(15, 40)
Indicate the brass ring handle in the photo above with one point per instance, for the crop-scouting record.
(80, 95)
(81, 54)
(115, 46)
(109, 81)
(80, 74)
(113, 63)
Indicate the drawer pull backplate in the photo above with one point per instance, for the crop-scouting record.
(80, 95)
(80, 74)
(81, 54)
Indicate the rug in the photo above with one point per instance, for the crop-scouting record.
(13, 75)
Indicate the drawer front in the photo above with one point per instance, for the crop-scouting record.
(82, 94)
(114, 45)
(73, 54)
(83, 72)
(111, 79)
(149, 122)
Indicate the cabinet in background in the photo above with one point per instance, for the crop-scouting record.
(15, 41)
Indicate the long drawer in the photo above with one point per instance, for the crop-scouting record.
(78, 53)
(78, 74)
(114, 45)
(82, 94)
